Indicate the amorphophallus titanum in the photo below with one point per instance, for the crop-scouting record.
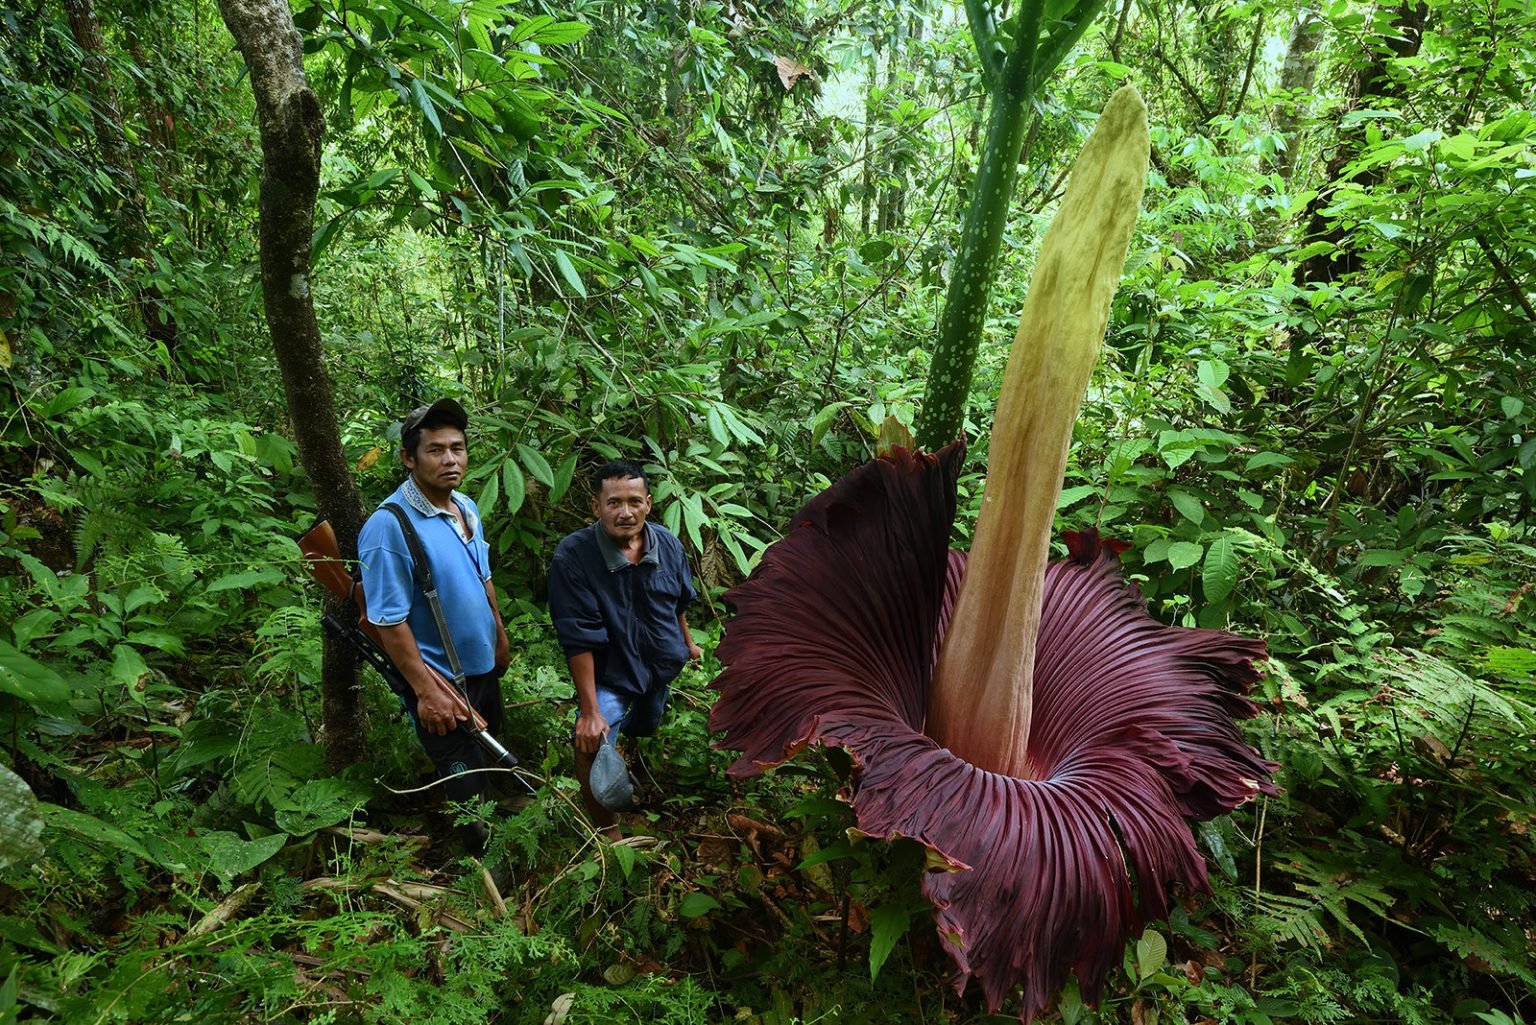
(1033, 726)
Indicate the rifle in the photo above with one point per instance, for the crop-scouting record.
(322, 556)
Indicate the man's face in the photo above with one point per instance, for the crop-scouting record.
(438, 465)
(622, 506)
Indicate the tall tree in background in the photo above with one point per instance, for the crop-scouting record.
(134, 238)
(292, 126)
(1379, 77)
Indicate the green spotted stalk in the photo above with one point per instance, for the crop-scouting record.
(1016, 58)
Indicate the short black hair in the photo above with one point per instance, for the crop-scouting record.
(618, 469)
(424, 418)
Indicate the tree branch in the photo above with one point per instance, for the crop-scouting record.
(984, 33)
(1502, 269)
(1077, 19)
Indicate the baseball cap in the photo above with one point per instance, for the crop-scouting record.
(442, 413)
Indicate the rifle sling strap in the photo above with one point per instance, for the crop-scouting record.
(422, 569)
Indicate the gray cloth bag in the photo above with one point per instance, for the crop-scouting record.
(611, 785)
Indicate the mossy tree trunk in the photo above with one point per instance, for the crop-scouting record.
(292, 125)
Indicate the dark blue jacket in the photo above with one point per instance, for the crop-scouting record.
(624, 613)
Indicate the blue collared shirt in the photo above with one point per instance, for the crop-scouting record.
(624, 613)
(460, 569)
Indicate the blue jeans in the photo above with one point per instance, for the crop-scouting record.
(631, 715)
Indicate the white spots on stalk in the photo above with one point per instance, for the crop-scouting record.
(298, 286)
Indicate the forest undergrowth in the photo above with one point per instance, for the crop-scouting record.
(716, 239)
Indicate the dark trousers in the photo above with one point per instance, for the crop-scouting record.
(457, 751)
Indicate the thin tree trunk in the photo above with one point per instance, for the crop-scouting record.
(132, 222)
(292, 125)
(1373, 80)
(1297, 75)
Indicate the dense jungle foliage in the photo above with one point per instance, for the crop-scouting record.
(715, 237)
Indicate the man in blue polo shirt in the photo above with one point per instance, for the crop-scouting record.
(619, 591)
(432, 448)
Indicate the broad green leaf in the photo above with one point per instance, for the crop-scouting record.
(823, 420)
(1184, 554)
(1213, 373)
(245, 579)
(91, 829)
(29, 679)
(128, 668)
(424, 104)
(561, 32)
(887, 924)
(32, 625)
(717, 426)
(1261, 459)
(1151, 953)
(1511, 406)
(563, 477)
(1076, 493)
(515, 485)
(1219, 574)
(1188, 506)
(695, 904)
(21, 825)
(64, 401)
(568, 272)
(537, 465)
(230, 856)
(317, 804)
(489, 495)
(1422, 140)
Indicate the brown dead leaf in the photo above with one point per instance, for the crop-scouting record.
(792, 71)
(369, 458)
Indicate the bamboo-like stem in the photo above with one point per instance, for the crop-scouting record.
(980, 698)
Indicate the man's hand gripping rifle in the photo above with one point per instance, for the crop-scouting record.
(323, 557)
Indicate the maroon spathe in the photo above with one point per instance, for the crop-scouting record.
(833, 641)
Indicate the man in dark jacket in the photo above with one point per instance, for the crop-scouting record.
(619, 590)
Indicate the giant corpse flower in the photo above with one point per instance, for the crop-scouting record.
(1032, 725)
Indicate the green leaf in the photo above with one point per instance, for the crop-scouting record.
(1422, 140)
(717, 428)
(424, 104)
(229, 856)
(128, 668)
(1188, 506)
(561, 32)
(28, 679)
(1261, 459)
(1075, 493)
(21, 826)
(568, 271)
(823, 420)
(489, 495)
(537, 465)
(563, 477)
(696, 904)
(887, 924)
(245, 579)
(64, 401)
(515, 485)
(91, 829)
(1151, 953)
(34, 624)
(1184, 554)
(1219, 574)
(1511, 406)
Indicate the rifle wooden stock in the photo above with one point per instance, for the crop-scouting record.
(323, 557)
